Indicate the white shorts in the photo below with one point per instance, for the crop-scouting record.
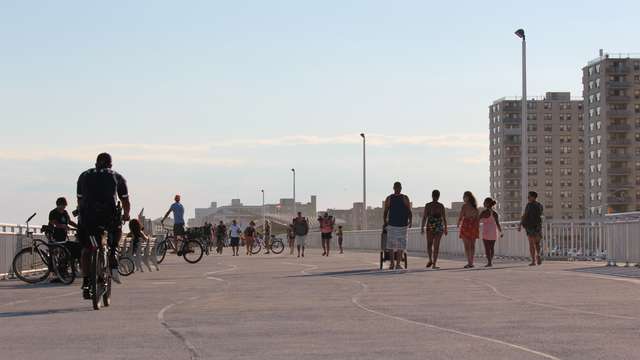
(301, 240)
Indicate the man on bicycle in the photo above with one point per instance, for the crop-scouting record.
(98, 191)
(178, 221)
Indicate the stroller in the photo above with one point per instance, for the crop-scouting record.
(385, 254)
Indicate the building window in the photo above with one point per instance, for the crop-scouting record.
(548, 117)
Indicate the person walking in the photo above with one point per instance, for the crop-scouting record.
(220, 233)
(291, 236)
(490, 229)
(267, 236)
(249, 237)
(469, 226)
(532, 223)
(435, 220)
(340, 236)
(397, 220)
(234, 234)
(326, 232)
(300, 229)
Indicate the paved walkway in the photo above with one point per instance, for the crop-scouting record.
(276, 307)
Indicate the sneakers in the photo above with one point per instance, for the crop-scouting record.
(115, 276)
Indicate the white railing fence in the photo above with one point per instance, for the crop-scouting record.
(615, 241)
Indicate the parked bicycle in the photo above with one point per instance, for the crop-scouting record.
(190, 249)
(35, 263)
(277, 245)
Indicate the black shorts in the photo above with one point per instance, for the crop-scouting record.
(535, 230)
(326, 236)
(178, 229)
(235, 241)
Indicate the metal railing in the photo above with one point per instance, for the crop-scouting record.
(606, 239)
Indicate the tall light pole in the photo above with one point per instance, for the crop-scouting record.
(524, 147)
(295, 213)
(364, 181)
(264, 215)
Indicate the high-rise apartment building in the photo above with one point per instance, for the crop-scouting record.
(555, 131)
(611, 90)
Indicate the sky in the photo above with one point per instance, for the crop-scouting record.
(217, 100)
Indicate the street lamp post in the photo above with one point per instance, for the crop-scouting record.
(524, 147)
(364, 181)
(264, 215)
(295, 213)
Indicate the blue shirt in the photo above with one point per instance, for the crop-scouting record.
(178, 213)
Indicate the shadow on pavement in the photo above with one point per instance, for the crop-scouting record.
(18, 314)
(377, 272)
(21, 285)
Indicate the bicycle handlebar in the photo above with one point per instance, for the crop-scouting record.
(31, 217)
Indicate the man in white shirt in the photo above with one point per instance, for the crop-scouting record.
(234, 235)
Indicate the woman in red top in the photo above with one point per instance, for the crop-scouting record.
(469, 226)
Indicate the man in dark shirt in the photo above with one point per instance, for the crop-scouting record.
(532, 223)
(59, 221)
(98, 192)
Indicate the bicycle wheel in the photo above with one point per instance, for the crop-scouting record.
(256, 247)
(277, 246)
(63, 264)
(192, 251)
(125, 265)
(94, 278)
(161, 251)
(31, 267)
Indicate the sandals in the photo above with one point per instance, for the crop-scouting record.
(468, 266)
(429, 264)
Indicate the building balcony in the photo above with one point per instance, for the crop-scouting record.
(619, 142)
(619, 112)
(618, 98)
(619, 128)
(620, 69)
(511, 176)
(511, 132)
(509, 120)
(619, 171)
(512, 153)
(618, 185)
(618, 84)
(619, 157)
(619, 200)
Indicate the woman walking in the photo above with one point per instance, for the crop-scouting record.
(435, 220)
(249, 236)
(469, 226)
(490, 229)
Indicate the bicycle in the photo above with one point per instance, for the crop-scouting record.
(33, 264)
(277, 245)
(191, 249)
(99, 271)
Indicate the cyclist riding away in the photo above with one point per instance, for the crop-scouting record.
(178, 221)
(98, 191)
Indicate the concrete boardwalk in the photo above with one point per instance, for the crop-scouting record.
(341, 307)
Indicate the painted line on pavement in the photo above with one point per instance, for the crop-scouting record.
(355, 300)
(556, 307)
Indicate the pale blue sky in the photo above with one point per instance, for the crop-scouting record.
(216, 100)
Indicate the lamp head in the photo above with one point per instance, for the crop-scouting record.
(362, 135)
(520, 33)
